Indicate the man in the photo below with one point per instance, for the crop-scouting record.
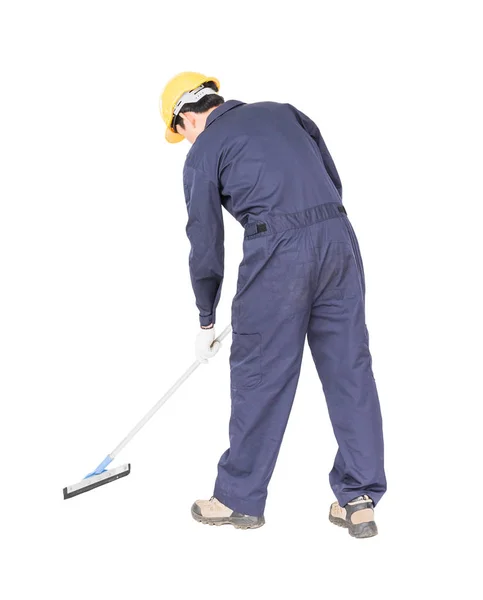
(301, 276)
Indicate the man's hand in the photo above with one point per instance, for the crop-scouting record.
(205, 346)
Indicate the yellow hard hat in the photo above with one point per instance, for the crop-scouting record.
(172, 93)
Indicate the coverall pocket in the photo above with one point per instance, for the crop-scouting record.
(355, 247)
(246, 361)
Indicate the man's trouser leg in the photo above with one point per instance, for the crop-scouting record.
(339, 343)
(270, 317)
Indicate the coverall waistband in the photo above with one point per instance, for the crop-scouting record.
(296, 220)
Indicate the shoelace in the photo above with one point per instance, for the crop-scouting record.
(364, 498)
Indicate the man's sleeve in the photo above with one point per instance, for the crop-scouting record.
(312, 129)
(206, 235)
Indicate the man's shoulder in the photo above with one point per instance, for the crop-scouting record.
(199, 155)
(199, 160)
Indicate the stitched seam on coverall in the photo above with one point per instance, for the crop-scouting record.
(204, 173)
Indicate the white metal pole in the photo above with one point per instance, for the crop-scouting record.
(162, 400)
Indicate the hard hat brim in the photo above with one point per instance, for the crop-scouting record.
(172, 137)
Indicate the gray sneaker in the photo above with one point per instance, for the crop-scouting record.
(357, 516)
(213, 512)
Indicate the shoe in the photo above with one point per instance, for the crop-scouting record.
(213, 512)
(357, 516)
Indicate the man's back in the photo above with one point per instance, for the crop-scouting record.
(267, 159)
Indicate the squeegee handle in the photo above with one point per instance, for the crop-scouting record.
(162, 400)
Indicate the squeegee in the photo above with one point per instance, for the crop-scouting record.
(100, 475)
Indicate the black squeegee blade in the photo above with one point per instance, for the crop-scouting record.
(95, 484)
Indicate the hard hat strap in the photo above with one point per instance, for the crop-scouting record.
(191, 97)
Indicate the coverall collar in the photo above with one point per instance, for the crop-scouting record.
(221, 110)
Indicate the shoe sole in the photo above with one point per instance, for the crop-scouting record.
(359, 531)
(245, 522)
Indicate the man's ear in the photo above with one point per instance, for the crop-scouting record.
(190, 117)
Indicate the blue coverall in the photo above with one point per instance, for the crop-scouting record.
(301, 275)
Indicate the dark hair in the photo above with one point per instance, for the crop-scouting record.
(207, 102)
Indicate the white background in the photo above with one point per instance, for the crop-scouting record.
(98, 317)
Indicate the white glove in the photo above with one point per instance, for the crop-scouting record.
(205, 346)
